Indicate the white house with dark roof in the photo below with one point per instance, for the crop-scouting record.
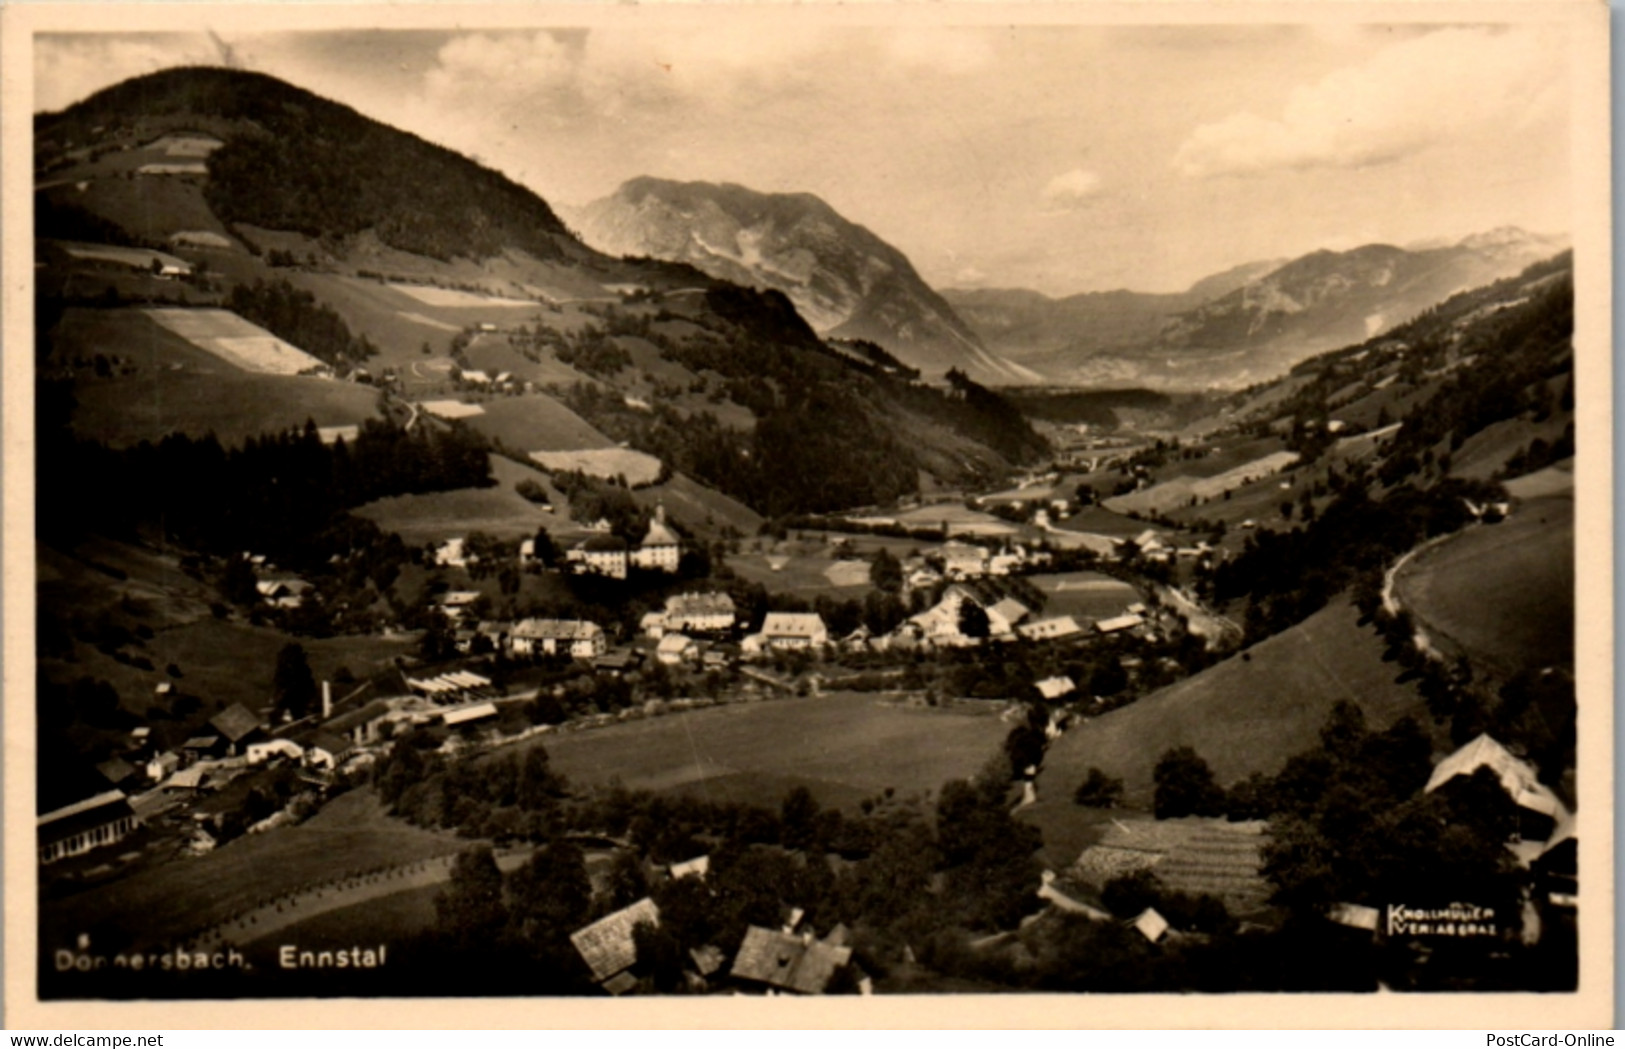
(793, 630)
(580, 638)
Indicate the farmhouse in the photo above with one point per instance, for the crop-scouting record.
(660, 550)
(1003, 615)
(675, 649)
(580, 638)
(652, 625)
(451, 554)
(282, 593)
(701, 613)
(1053, 688)
(163, 766)
(237, 727)
(792, 630)
(1055, 628)
(963, 561)
(456, 603)
(788, 962)
(326, 750)
(607, 946)
(604, 554)
(85, 825)
(1127, 621)
(1539, 809)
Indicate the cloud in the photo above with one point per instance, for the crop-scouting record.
(70, 67)
(1069, 190)
(1405, 99)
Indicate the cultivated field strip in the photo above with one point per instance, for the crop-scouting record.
(235, 340)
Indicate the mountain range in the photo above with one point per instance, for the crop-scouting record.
(1246, 324)
(846, 281)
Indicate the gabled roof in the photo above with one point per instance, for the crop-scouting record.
(347, 721)
(116, 770)
(1055, 687)
(1150, 924)
(793, 624)
(792, 963)
(235, 722)
(557, 629)
(659, 534)
(1010, 610)
(1517, 777)
(708, 604)
(333, 744)
(85, 815)
(675, 643)
(606, 945)
(604, 544)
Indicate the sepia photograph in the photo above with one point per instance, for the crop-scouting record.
(712, 503)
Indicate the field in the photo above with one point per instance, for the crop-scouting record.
(1188, 855)
(1087, 594)
(804, 574)
(1504, 593)
(637, 467)
(957, 519)
(538, 423)
(395, 916)
(498, 510)
(235, 340)
(233, 405)
(1100, 521)
(844, 747)
(150, 906)
(493, 355)
(1181, 490)
(1243, 715)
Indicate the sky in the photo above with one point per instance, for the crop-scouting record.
(1059, 158)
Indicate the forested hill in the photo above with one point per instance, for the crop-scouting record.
(295, 161)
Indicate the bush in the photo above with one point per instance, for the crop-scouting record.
(1099, 791)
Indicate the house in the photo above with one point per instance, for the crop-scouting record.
(494, 631)
(282, 593)
(604, 554)
(963, 561)
(652, 625)
(788, 962)
(1056, 628)
(1004, 614)
(474, 375)
(698, 867)
(91, 823)
(660, 549)
(607, 946)
(793, 630)
(264, 750)
(1540, 810)
(580, 638)
(1128, 621)
(457, 603)
(237, 726)
(451, 554)
(616, 662)
(326, 750)
(675, 649)
(163, 766)
(1150, 924)
(527, 550)
(711, 613)
(1053, 688)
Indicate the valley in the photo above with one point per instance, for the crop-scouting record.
(413, 571)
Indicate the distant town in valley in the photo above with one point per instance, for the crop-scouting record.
(446, 593)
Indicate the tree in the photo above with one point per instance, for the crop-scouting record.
(1099, 790)
(538, 783)
(546, 553)
(973, 621)
(293, 684)
(798, 818)
(469, 910)
(1185, 786)
(550, 896)
(886, 572)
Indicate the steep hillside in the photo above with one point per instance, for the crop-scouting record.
(414, 267)
(846, 281)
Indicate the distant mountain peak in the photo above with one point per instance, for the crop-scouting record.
(846, 281)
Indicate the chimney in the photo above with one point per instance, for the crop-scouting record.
(327, 700)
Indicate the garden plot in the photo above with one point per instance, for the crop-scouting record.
(236, 341)
(136, 258)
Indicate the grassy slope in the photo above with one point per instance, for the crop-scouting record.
(844, 747)
(499, 510)
(1242, 716)
(1502, 593)
(537, 423)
